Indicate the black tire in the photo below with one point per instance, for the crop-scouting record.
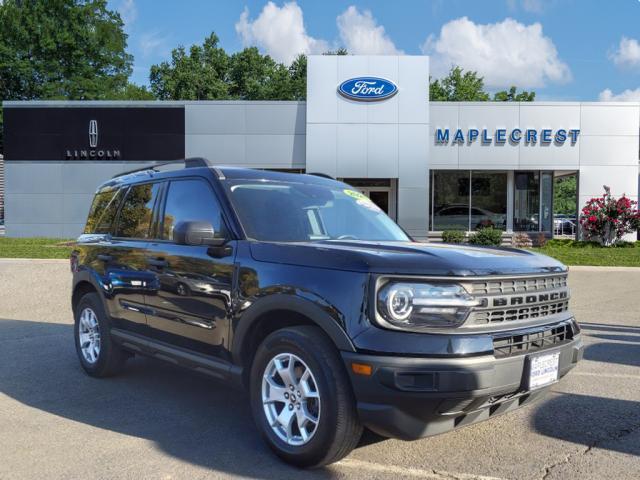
(111, 358)
(183, 289)
(338, 430)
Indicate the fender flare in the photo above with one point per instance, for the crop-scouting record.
(319, 316)
(87, 276)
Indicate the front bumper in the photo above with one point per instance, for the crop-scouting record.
(414, 397)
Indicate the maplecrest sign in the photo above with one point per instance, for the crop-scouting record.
(499, 136)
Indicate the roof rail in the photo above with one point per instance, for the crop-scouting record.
(193, 162)
(323, 175)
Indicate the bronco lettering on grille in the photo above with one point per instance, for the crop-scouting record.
(529, 299)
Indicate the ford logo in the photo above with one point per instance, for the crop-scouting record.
(367, 89)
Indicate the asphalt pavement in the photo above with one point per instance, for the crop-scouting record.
(157, 421)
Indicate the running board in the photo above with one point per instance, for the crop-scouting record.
(210, 366)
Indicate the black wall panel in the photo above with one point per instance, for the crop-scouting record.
(123, 133)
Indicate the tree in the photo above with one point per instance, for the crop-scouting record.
(62, 49)
(458, 87)
(564, 195)
(461, 86)
(340, 51)
(200, 74)
(513, 96)
(207, 72)
(253, 76)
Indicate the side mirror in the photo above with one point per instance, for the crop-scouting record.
(196, 233)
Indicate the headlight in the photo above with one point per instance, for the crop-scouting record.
(420, 306)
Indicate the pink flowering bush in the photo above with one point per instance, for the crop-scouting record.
(607, 218)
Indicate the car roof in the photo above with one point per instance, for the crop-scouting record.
(240, 173)
(221, 172)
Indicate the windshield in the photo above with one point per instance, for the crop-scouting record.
(297, 212)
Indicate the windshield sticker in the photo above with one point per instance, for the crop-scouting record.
(357, 195)
(362, 200)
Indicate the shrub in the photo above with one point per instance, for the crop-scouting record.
(542, 239)
(521, 240)
(453, 236)
(486, 236)
(607, 218)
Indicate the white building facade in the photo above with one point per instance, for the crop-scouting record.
(432, 166)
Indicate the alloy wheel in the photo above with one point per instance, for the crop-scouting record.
(89, 335)
(291, 399)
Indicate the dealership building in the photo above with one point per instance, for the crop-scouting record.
(432, 166)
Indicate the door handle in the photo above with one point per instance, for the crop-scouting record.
(104, 257)
(158, 262)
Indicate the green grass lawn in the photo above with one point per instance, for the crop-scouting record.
(35, 247)
(584, 253)
(568, 252)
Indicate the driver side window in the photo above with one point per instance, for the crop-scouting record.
(191, 200)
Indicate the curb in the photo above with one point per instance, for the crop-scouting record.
(53, 261)
(594, 268)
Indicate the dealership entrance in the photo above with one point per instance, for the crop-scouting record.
(381, 191)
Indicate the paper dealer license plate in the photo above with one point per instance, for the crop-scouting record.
(543, 370)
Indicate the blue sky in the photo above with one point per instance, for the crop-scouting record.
(563, 49)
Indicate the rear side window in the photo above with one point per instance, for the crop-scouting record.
(103, 211)
(192, 200)
(137, 211)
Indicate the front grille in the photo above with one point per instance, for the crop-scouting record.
(517, 299)
(523, 313)
(518, 285)
(517, 343)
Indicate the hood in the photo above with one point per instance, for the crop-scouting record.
(406, 258)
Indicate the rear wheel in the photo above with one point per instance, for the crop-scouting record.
(301, 398)
(98, 355)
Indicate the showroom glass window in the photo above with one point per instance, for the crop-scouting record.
(450, 200)
(488, 200)
(191, 200)
(136, 213)
(468, 200)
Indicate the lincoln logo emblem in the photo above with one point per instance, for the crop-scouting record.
(93, 133)
(92, 153)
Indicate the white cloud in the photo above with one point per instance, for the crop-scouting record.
(627, 54)
(361, 34)
(128, 11)
(505, 53)
(627, 96)
(152, 43)
(279, 32)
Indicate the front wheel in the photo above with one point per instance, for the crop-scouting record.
(301, 398)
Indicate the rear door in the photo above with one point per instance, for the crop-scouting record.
(125, 258)
(191, 304)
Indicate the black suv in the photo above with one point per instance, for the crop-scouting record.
(300, 289)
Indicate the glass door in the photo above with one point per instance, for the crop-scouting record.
(382, 192)
(546, 201)
(526, 211)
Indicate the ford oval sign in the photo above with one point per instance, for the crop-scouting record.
(367, 89)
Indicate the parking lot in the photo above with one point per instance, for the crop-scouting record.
(156, 421)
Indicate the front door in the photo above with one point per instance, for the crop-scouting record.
(191, 304)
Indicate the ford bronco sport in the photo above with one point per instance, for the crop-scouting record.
(299, 289)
